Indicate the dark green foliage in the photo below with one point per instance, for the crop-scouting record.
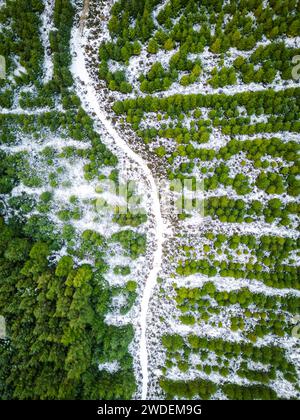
(251, 392)
(8, 173)
(189, 389)
(57, 335)
(22, 38)
(133, 243)
(129, 219)
(60, 43)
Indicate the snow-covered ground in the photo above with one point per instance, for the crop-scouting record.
(47, 27)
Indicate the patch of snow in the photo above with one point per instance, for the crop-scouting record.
(110, 367)
(47, 27)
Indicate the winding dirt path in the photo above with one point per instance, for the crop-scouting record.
(90, 104)
(84, 15)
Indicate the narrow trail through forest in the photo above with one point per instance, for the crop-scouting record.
(90, 103)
